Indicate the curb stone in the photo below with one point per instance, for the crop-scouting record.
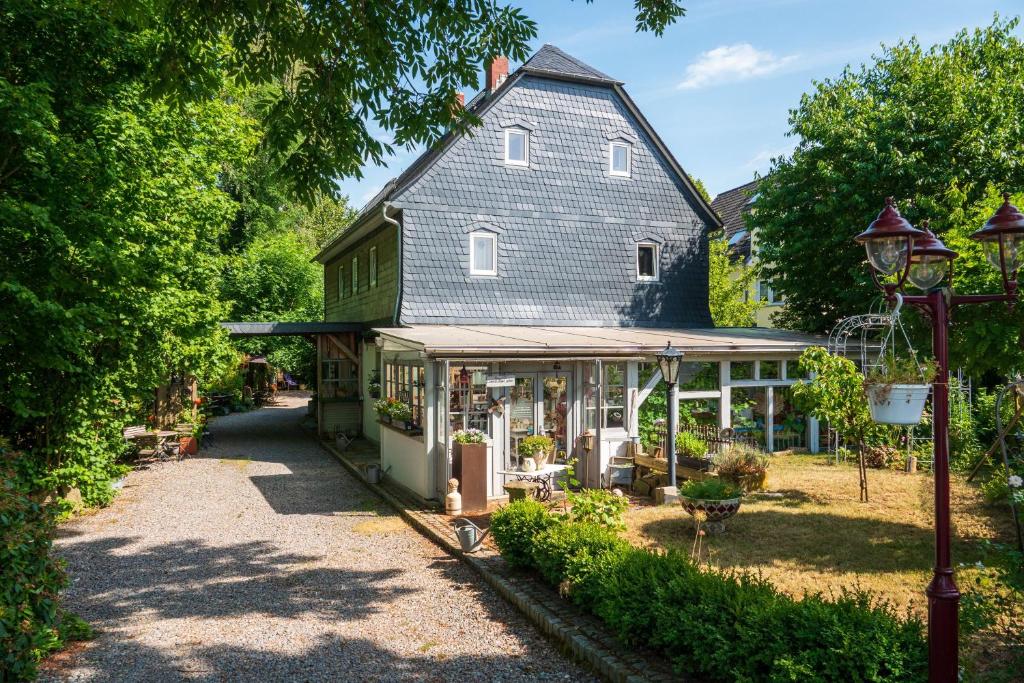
(554, 620)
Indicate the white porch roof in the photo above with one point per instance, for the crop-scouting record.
(479, 341)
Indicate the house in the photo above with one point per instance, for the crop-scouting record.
(520, 279)
(732, 206)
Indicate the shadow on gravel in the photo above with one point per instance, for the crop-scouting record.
(327, 659)
(189, 579)
(300, 493)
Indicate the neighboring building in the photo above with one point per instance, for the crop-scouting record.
(520, 279)
(732, 206)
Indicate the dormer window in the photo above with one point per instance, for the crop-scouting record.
(647, 262)
(517, 147)
(620, 155)
(483, 253)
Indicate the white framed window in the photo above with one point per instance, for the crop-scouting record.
(483, 253)
(355, 275)
(517, 147)
(646, 262)
(766, 292)
(341, 282)
(373, 266)
(620, 158)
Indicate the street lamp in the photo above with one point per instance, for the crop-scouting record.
(669, 361)
(896, 248)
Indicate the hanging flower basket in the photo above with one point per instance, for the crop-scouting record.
(897, 404)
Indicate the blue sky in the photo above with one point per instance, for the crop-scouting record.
(718, 86)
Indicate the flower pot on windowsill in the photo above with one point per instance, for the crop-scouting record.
(384, 417)
(897, 404)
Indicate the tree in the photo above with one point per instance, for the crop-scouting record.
(343, 66)
(729, 286)
(941, 130)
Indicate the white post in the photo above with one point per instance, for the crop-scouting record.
(769, 419)
(725, 404)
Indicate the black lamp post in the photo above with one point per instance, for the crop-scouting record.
(669, 361)
(897, 249)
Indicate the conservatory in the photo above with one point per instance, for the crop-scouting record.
(583, 387)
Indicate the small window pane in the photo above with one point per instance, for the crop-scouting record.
(645, 261)
(355, 274)
(620, 158)
(698, 376)
(770, 369)
(341, 282)
(373, 266)
(741, 369)
(483, 254)
(516, 146)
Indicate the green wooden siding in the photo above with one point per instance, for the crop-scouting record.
(369, 303)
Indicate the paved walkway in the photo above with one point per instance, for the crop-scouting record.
(262, 559)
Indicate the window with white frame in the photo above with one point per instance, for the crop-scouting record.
(767, 292)
(483, 253)
(341, 282)
(647, 262)
(355, 275)
(619, 158)
(517, 147)
(373, 266)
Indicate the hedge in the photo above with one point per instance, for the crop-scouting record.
(717, 625)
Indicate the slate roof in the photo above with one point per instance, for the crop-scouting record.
(548, 62)
(291, 329)
(731, 206)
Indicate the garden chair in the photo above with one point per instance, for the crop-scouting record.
(290, 383)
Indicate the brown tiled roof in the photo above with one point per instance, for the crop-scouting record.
(731, 206)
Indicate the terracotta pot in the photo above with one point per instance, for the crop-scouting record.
(189, 445)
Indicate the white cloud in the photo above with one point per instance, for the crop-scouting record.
(762, 160)
(731, 63)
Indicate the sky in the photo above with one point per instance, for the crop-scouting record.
(719, 84)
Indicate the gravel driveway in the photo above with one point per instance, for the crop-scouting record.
(262, 559)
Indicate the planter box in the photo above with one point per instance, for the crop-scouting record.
(897, 404)
(469, 466)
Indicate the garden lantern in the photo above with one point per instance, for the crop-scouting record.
(888, 242)
(1003, 240)
(896, 248)
(669, 361)
(930, 260)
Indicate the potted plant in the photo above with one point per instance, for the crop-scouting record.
(534, 450)
(383, 408)
(713, 500)
(469, 466)
(691, 450)
(401, 412)
(897, 389)
(374, 385)
(743, 466)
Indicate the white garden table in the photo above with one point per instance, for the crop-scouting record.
(544, 476)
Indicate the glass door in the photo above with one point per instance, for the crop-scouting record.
(522, 414)
(554, 411)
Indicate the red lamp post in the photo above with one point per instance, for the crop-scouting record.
(898, 250)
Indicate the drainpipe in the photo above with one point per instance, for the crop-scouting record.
(398, 278)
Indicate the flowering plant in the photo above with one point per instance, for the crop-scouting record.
(386, 406)
(469, 436)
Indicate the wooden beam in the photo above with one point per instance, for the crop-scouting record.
(344, 349)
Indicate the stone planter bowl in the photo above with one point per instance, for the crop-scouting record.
(714, 510)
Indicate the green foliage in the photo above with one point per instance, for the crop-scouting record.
(729, 285)
(739, 462)
(690, 445)
(569, 551)
(835, 394)
(514, 528)
(709, 489)
(929, 126)
(530, 446)
(895, 369)
(30, 577)
(597, 506)
(347, 70)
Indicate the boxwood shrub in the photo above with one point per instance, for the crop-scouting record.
(514, 527)
(719, 626)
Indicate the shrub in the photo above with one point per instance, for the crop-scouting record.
(514, 527)
(30, 578)
(742, 465)
(709, 489)
(575, 545)
(597, 506)
(690, 445)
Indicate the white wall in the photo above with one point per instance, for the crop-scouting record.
(408, 459)
(367, 366)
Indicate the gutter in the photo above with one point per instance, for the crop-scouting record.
(398, 279)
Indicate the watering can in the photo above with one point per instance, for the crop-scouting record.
(373, 473)
(470, 535)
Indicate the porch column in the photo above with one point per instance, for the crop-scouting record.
(725, 403)
(769, 419)
(429, 422)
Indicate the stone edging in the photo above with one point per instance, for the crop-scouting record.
(574, 631)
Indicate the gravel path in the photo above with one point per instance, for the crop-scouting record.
(262, 559)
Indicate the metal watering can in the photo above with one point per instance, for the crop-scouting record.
(470, 535)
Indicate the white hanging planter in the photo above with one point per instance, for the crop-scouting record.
(897, 404)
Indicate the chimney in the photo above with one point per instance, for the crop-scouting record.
(496, 72)
(460, 99)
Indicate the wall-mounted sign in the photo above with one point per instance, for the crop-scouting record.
(501, 380)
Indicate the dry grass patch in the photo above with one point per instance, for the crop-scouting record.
(821, 538)
(382, 525)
